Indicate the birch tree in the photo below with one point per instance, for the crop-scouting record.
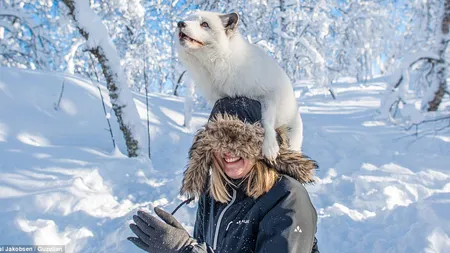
(100, 45)
(438, 86)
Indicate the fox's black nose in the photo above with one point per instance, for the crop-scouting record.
(181, 24)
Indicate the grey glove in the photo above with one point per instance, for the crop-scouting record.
(155, 236)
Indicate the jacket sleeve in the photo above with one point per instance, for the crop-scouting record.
(290, 226)
(198, 248)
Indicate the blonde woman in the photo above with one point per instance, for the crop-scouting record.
(245, 203)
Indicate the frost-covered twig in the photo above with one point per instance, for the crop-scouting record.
(429, 121)
(107, 118)
(418, 134)
(91, 64)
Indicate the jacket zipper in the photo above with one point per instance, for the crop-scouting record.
(216, 234)
(226, 230)
(228, 226)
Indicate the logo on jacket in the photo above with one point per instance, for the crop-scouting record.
(298, 229)
(242, 221)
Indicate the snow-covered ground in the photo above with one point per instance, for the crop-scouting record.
(61, 182)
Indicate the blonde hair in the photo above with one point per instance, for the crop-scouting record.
(259, 180)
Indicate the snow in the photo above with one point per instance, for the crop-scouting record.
(378, 190)
(62, 182)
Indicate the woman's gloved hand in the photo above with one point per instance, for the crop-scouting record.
(155, 236)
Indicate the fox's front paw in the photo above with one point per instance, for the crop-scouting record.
(270, 147)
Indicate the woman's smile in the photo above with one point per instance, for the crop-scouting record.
(232, 159)
(234, 166)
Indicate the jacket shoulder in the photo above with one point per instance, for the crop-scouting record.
(289, 185)
(290, 222)
(287, 190)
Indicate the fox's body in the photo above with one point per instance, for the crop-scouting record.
(222, 63)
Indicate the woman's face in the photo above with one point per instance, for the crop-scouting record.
(233, 166)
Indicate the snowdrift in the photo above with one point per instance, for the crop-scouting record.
(62, 182)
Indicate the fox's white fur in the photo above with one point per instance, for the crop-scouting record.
(222, 63)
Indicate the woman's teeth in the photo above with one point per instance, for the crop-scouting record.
(232, 159)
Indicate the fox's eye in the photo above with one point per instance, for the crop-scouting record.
(204, 25)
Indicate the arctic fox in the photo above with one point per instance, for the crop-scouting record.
(222, 63)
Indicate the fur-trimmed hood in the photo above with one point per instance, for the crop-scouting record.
(225, 133)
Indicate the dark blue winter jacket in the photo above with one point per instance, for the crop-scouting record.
(282, 220)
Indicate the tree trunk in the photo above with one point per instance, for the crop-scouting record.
(282, 42)
(441, 74)
(117, 90)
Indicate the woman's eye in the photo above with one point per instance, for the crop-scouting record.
(204, 25)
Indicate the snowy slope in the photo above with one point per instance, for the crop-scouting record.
(61, 182)
(380, 190)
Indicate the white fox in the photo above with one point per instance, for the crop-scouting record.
(222, 63)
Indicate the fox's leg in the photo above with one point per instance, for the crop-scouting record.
(295, 134)
(270, 146)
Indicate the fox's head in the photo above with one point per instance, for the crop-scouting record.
(207, 30)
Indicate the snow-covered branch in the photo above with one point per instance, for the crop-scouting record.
(24, 31)
(100, 44)
(69, 57)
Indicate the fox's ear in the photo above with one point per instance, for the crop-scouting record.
(230, 22)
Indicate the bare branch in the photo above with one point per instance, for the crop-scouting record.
(56, 105)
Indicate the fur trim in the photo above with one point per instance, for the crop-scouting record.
(225, 133)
